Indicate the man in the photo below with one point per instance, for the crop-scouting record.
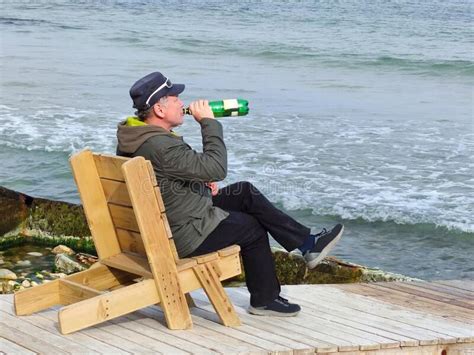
(236, 214)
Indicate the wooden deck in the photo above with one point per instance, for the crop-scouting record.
(388, 318)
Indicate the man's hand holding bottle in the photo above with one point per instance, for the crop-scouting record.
(200, 109)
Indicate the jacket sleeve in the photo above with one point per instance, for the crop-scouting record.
(180, 161)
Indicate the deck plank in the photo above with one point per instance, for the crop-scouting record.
(429, 294)
(410, 301)
(9, 347)
(467, 296)
(31, 341)
(369, 314)
(386, 318)
(50, 324)
(307, 323)
(421, 319)
(466, 285)
(312, 339)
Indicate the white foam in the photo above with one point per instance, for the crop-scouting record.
(329, 165)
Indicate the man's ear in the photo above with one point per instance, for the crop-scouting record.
(158, 111)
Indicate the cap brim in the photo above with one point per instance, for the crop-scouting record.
(176, 89)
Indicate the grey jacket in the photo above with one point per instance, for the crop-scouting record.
(181, 173)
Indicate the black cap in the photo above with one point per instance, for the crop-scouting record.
(148, 90)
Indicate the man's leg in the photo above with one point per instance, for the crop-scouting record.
(244, 197)
(245, 231)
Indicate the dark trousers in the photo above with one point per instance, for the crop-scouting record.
(251, 216)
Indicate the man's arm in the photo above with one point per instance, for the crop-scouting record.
(180, 161)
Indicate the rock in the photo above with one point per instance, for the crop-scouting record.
(34, 253)
(39, 276)
(23, 263)
(7, 274)
(34, 283)
(13, 209)
(62, 249)
(1, 262)
(86, 259)
(26, 283)
(58, 275)
(65, 264)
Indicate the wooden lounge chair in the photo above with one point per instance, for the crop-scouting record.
(138, 264)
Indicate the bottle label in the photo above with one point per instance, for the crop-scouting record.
(231, 104)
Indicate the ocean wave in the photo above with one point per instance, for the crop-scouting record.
(349, 171)
(413, 226)
(21, 22)
(312, 57)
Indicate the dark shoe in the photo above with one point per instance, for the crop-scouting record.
(326, 241)
(279, 307)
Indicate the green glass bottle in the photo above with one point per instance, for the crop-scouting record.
(224, 108)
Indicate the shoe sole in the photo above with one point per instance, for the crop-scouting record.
(312, 264)
(261, 312)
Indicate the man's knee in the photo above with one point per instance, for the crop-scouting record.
(254, 231)
(247, 187)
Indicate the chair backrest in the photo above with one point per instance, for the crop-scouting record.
(126, 215)
(108, 206)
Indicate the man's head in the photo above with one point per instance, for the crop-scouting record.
(156, 100)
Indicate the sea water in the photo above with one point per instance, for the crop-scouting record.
(361, 112)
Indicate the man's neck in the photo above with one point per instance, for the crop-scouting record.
(159, 123)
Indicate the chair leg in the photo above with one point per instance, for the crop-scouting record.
(107, 306)
(208, 275)
(35, 299)
(190, 300)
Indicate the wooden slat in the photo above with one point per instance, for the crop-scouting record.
(467, 296)
(315, 322)
(412, 301)
(116, 192)
(55, 340)
(282, 335)
(209, 277)
(152, 173)
(373, 301)
(50, 324)
(35, 299)
(107, 306)
(124, 218)
(358, 314)
(134, 264)
(95, 205)
(201, 259)
(208, 337)
(167, 226)
(159, 199)
(426, 293)
(36, 342)
(9, 347)
(109, 166)
(233, 249)
(466, 285)
(306, 324)
(155, 240)
(152, 324)
(130, 241)
(72, 292)
(100, 277)
(208, 320)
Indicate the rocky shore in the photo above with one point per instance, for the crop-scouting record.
(59, 234)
